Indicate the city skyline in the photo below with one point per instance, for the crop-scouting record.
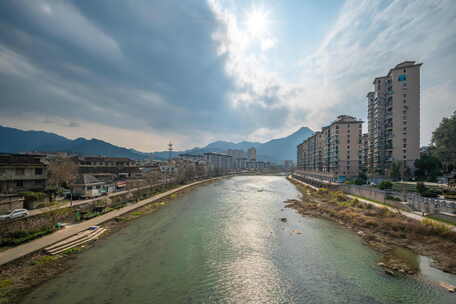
(197, 72)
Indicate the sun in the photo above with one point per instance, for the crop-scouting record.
(257, 21)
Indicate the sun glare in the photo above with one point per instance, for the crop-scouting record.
(257, 22)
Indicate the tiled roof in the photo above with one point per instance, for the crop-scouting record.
(19, 159)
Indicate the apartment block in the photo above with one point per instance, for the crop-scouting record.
(364, 153)
(394, 119)
(22, 173)
(334, 152)
(251, 154)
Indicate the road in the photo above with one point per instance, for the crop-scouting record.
(405, 213)
(35, 245)
(82, 202)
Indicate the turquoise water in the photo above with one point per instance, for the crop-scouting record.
(224, 243)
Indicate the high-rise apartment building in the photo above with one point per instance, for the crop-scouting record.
(251, 153)
(333, 153)
(394, 119)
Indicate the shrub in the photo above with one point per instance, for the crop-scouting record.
(30, 196)
(385, 185)
(393, 198)
(436, 227)
(44, 259)
(17, 238)
(430, 193)
(421, 188)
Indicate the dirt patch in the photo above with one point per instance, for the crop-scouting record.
(382, 229)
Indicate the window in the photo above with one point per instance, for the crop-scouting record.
(38, 171)
(20, 171)
(38, 182)
(405, 101)
(405, 95)
(19, 183)
(2, 171)
(89, 187)
(402, 77)
(404, 85)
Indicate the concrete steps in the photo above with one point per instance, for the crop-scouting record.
(79, 239)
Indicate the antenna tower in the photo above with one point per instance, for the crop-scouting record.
(170, 150)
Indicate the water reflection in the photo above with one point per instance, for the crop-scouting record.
(225, 243)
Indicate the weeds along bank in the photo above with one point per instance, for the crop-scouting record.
(382, 229)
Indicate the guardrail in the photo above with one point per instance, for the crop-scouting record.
(413, 201)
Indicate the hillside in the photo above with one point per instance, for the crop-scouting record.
(15, 141)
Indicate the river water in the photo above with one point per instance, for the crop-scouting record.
(225, 243)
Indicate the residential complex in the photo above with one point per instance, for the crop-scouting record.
(334, 152)
(394, 119)
(340, 150)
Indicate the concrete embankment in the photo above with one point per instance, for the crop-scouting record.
(35, 245)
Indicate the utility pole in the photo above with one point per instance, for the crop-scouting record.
(170, 152)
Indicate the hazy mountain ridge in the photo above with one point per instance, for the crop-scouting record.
(15, 141)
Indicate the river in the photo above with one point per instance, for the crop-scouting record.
(225, 243)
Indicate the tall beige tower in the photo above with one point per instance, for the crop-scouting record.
(394, 119)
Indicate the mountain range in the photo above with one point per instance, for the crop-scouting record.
(16, 141)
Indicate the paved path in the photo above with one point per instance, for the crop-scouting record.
(35, 245)
(405, 213)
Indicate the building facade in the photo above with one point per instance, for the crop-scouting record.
(251, 154)
(20, 173)
(334, 152)
(394, 119)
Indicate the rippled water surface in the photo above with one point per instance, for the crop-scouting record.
(225, 243)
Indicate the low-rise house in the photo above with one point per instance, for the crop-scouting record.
(87, 186)
(20, 173)
(120, 166)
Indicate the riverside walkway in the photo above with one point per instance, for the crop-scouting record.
(45, 241)
(410, 215)
(87, 201)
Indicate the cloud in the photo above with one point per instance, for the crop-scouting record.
(196, 71)
(367, 39)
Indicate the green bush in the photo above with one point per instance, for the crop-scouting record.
(430, 193)
(384, 185)
(17, 238)
(30, 196)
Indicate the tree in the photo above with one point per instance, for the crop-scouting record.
(62, 172)
(444, 143)
(396, 168)
(428, 167)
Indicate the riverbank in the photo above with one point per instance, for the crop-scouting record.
(383, 230)
(19, 277)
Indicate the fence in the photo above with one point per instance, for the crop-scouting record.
(414, 201)
(430, 205)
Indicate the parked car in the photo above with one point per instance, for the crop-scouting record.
(17, 213)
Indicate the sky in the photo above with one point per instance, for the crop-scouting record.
(139, 73)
